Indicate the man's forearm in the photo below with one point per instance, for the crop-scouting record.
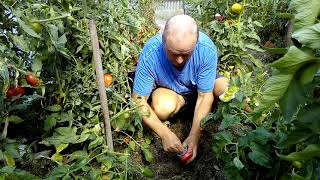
(202, 109)
(150, 118)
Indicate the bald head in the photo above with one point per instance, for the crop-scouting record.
(180, 37)
(180, 26)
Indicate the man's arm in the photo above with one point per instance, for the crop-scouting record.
(202, 109)
(170, 141)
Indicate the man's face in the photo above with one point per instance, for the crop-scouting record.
(179, 52)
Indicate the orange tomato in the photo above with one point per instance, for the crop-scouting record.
(32, 79)
(107, 79)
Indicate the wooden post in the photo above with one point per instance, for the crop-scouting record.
(101, 86)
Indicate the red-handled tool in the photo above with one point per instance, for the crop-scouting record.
(185, 155)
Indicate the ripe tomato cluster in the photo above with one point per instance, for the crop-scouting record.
(20, 90)
(15, 91)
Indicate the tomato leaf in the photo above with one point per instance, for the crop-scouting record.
(229, 120)
(51, 121)
(146, 151)
(36, 66)
(238, 163)
(15, 119)
(59, 172)
(295, 137)
(260, 155)
(61, 147)
(8, 159)
(54, 108)
(27, 28)
(20, 42)
(98, 141)
(311, 151)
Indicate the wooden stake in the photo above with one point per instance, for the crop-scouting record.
(100, 79)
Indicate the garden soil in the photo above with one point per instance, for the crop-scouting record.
(168, 166)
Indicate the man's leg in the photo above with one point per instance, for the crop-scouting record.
(166, 102)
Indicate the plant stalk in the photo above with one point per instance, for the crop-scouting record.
(100, 79)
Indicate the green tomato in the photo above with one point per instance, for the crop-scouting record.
(297, 164)
(37, 27)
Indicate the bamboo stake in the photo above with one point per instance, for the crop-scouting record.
(99, 75)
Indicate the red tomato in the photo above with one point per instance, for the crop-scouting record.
(107, 79)
(15, 91)
(20, 90)
(11, 92)
(184, 158)
(32, 79)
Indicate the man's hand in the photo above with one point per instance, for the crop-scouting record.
(192, 143)
(171, 143)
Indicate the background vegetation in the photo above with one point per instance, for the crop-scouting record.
(50, 111)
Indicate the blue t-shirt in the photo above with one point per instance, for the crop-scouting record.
(154, 68)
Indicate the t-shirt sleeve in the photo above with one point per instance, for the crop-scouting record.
(144, 80)
(207, 72)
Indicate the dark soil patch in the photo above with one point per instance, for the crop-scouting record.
(168, 166)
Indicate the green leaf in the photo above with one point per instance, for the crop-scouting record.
(309, 72)
(54, 108)
(27, 28)
(51, 121)
(259, 155)
(293, 60)
(116, 50)
(79, 155)
(57, 157)
(61, 147)
(285, 15)
(238, 163)
(4, 73)
(311, 151)
(7, 169)
(20, 42)
(15, 119)
(8, 159)
(292, 99)
(146, 151)
(254, 47)
(132, 145)
(309, 117)
(36, 66)
(306, 14)
(276, 50)
(229, 120)
(309, 36)
(255, 61)
(275, 88)
(295, 137)
(59, 172)
(98, 141)
(147, 172)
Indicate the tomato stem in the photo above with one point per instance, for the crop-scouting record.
(52, 19)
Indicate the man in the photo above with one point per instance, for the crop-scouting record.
(180, 63)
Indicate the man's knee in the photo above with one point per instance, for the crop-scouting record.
(221, 84)
(163, 103)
